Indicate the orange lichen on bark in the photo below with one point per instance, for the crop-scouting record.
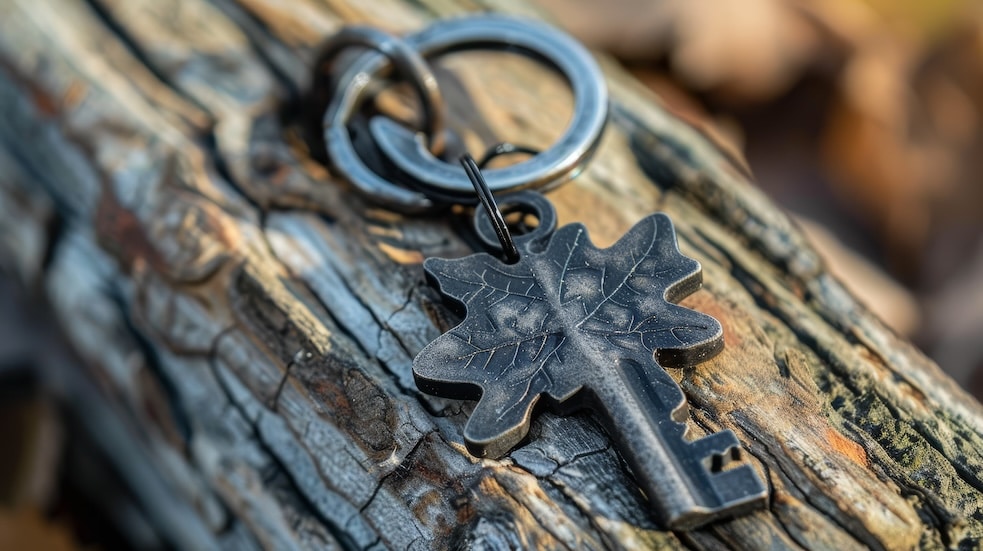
(846, 447)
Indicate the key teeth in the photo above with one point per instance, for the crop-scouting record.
(719, 461)
(716, 444)
(737, 487)
(730, 493)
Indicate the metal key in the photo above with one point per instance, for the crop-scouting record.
(580, 327)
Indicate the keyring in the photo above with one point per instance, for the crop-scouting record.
(548, 318)
(429, 180)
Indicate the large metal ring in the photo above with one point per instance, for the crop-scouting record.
(436, 180)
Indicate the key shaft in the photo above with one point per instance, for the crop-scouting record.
(688, 483)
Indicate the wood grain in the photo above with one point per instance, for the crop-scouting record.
(253, 321)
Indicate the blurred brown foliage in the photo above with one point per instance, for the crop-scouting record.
(865, 116)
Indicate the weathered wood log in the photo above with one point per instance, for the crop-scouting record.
(253, 321)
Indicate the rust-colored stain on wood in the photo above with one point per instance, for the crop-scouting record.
(703, 301)
(74, 95)
(122, 235)
(846, 447)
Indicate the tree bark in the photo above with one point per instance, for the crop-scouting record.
(250, 323)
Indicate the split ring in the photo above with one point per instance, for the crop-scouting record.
(409, 64)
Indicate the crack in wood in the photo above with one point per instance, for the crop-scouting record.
(290, 458)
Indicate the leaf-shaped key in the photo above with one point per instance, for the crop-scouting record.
(580, 327)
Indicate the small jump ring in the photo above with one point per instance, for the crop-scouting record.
(491, 207)
(409, 64)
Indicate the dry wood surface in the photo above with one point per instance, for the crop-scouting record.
(250, 323)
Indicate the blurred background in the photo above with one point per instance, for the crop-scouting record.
(861, 117)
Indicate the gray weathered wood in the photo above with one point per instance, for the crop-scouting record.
(257, 321)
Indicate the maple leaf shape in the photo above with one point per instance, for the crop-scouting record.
(555, 321)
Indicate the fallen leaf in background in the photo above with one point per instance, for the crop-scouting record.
(33, 442)
(25, 528)
(33, 445)
(752, 49)
(903, 142)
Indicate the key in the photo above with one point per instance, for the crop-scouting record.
(582, 327)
